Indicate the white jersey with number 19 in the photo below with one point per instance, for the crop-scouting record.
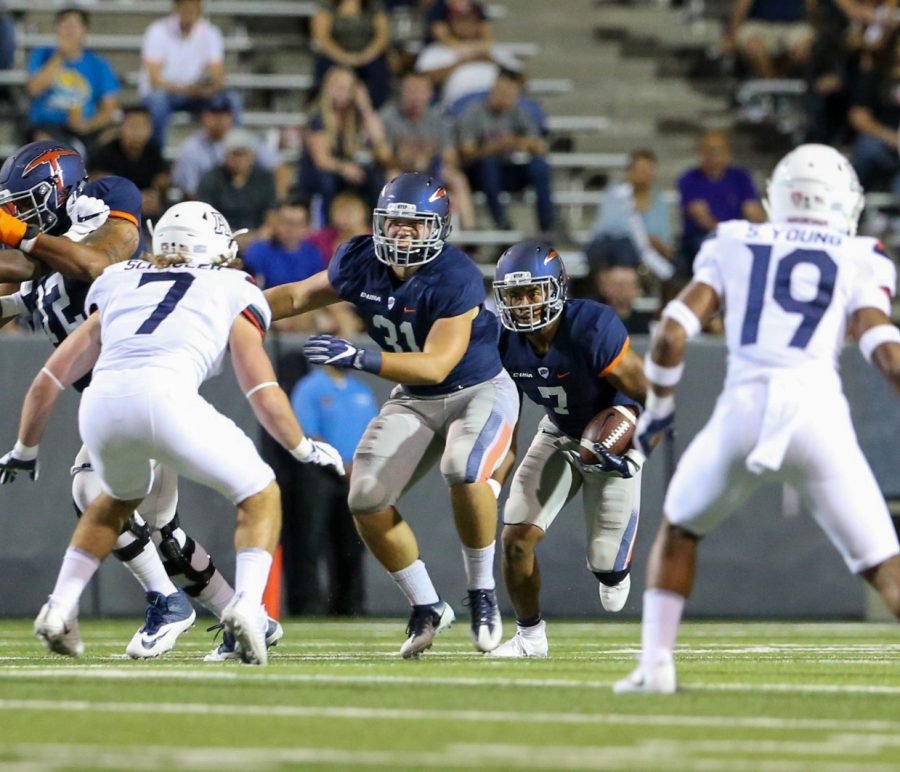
(788, 291)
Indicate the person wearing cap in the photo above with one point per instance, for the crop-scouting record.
(205, 149)
(183, 65)
(241, 189)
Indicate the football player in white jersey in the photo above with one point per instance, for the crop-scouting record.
(157, 331)
(790, 291)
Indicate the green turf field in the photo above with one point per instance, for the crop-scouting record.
(757, 696)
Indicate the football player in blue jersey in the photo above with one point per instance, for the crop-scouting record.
(571, 357)
(422, 302)
(62, 231)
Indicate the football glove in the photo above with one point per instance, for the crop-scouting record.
(13, 463)
(657, 420)
(626, 465)
(337, 352)
(87, 215)
(318, 452)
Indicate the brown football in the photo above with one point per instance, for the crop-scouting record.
(612, 429)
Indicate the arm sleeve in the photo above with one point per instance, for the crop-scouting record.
(706, 265)
(608, 340)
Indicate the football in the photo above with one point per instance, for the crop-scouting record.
(612, 429)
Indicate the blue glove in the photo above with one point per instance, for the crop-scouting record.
(337, 352)
(627, 465)
(657, 421)
(11, 465)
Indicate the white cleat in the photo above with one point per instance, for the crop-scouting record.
(59, 635)
(248, 626)
(657, 679)
(167, 618)
(487, 627)
(614, 598)
(532, 644)
(228, 648)
(425, 622)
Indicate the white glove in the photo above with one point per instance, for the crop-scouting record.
(87, 215)
(21, 458)
(318, 452)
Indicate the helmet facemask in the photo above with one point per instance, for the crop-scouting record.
(528, 316)
(403, 251)
(32, 206)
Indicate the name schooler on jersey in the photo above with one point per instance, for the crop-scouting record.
(399, 315)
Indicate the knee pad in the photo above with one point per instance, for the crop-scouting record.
(177, 558)
(612, 578)
(368, 494)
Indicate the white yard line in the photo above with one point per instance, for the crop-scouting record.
(140, 671)
(364, 713)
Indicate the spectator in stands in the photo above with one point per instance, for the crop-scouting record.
(354, 34)
(421, 139)
(347, 217)
(712, 192)
(459, 24)
(74, 92)
(133, 154)
(773, 37)
(183, 58)
(287, 255)
(875, 115)
(241, 189)
(205, 149)
(503, 150)
(619, 286)
(337, 407)
(7, 38)
(343, 142)
(633, 224)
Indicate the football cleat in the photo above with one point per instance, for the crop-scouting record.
(522, 644)
(425, 622)
(656, 679)
(614, 598)
(248, 625)
(59, 635)
(487, 627)
(168, 616)
(227, 650)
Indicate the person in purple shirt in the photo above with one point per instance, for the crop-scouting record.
(287, 255)
(714, 191)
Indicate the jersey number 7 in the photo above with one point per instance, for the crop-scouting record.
(812, 310)
(180, 284)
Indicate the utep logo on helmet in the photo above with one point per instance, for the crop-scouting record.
(51, 158)
(441, 192)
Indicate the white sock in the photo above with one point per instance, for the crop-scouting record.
(76, 571)
(416, 585)
(149, 571)
(479, 567)
(251, 574)
(533, 631)
(217, 594)
(659, 625)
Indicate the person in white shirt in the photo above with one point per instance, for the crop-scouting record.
(157, 331)
(183, 65)
(790, 290)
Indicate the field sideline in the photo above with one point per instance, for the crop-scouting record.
(755, 696)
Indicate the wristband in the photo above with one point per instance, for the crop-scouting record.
(662, 376)
(678, 311)
(872, 338)
(303, 450)
(25, 452)
(259, 387)
(57, 382)
(368, 360)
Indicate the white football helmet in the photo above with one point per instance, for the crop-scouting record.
(815, 184)
(195, 231)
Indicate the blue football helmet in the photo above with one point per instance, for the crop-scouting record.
(37, 180)
(523, 269)
(417, 197)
